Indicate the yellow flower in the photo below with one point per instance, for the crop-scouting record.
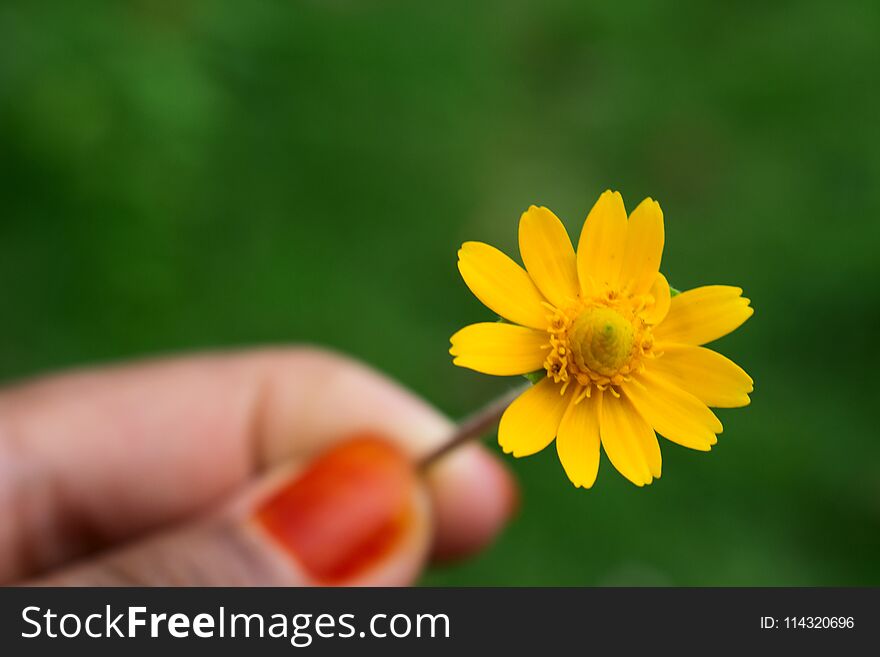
(622, 356)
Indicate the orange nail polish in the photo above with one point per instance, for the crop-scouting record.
(346, 511)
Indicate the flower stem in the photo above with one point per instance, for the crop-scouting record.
(474, 425)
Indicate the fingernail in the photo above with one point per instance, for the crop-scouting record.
(346, 511)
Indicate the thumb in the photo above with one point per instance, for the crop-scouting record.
(359, 514)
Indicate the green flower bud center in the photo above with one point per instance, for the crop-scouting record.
(601, 340)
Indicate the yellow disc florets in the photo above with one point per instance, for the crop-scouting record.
(601, 340)
(598, 342)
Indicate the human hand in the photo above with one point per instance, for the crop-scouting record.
(234, 469)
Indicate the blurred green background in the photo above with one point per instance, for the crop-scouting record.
(182, 175)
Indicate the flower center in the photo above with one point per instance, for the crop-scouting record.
(601, 340)
(597, 343)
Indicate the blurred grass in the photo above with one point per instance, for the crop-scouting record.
(182, 175)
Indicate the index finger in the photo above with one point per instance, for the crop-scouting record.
(94, 457)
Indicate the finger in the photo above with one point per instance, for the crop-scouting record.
(356, 515)
(473, 497)
(92, 458)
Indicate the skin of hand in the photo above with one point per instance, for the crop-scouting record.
(278, 467)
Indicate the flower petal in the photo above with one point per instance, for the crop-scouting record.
(707, 375)
(601, 245)
(675, 414)
(628, 440)
(660, 291)
(500, 349)
(644, 247)
(530, 423)
(548, 255)
(704, 314)
(578, 442)
(501, 284)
